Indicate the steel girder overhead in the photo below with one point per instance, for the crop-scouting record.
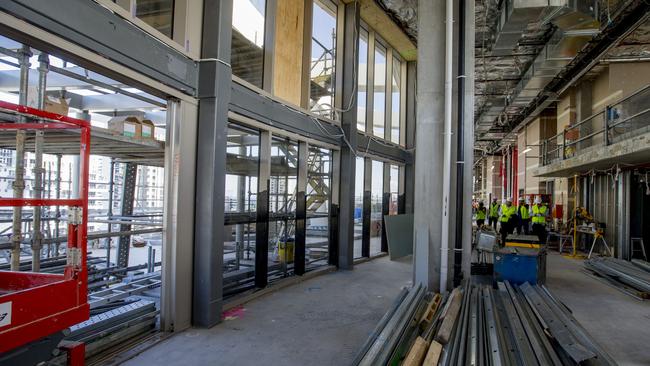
(96, 28)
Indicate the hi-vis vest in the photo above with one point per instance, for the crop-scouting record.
(539, 214)
(494, 210)
(480, 213)
(508, 212)
(523, 212)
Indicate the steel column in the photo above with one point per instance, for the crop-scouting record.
(263, 205)
(349, 71)
(409, 134)
(128, 197)
(385, 206)
(214, 96)
(367, 207)
(301, 209)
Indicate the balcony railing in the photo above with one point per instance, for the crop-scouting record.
(627, 118)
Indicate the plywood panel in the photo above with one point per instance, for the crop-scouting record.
(288, 51)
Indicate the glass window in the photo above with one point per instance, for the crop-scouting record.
(376, 199)
(157, 13)
(247, 58)
(358, 207)
(395, 100)
(394, 189)
(242, 166)
(282, 207)
(323, 55)
(379, 92)
(318, 195)
(362, 80)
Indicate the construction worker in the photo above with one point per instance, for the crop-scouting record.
(481, 212)
(494, 214)
(539, 214)
(524, 216)
(508, 217)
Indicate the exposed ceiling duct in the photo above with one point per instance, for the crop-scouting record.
(514, 19)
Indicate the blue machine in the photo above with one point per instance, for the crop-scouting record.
(519, 265)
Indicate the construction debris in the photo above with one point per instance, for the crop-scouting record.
(483, 325)
(632, 278)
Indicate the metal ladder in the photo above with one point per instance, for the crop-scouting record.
(642, 250)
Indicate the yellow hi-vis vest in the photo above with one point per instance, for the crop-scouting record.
(523, 212)
(480, 213)
(539, 214)
(494, 210)
(508, 212)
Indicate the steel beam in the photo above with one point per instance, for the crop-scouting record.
(214, 96)
(347, 176)
(96, 28)
(128, 197)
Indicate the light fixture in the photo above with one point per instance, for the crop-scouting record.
(528, 149)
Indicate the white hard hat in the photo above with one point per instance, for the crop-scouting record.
(538, 199)
(503, 200)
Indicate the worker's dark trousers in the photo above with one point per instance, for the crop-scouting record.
(480, 223)
(540, 231)
(506, 228)
(493, 222)
(524, 227)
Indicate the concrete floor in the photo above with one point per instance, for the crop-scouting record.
(618, 322)
(322, 321)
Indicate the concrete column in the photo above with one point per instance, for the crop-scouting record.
(429, 141)
(347, 175)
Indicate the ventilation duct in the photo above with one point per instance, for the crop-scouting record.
(514, 19)
(577, 23)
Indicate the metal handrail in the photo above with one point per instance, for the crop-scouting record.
(604, 130)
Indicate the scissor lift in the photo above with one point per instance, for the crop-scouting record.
(36, 305)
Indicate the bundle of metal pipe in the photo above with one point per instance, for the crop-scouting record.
(518, 325)
(482, 325)
(632, 278)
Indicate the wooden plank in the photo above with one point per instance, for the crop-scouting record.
(450, 318)
(287, 62)
(416, 353)
(433, 355)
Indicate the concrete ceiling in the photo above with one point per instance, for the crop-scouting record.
(498, 75)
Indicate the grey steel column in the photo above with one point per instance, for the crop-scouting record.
(263, 205)
(409, 132)
(128, 196)
(334, 213)
(349, 71)
(428, 157)
(214, 96)
(301, 209)
(385, 206)
(468, 132)
(367, 208)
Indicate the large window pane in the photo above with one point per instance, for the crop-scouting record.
(379, 92)
(395, 100)
(247, 57)
(242, 166)
(323, 55)
(362, 80)
(282, 207)
(358, 207)
(319, 176)
(157, 13)
(376, 198)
